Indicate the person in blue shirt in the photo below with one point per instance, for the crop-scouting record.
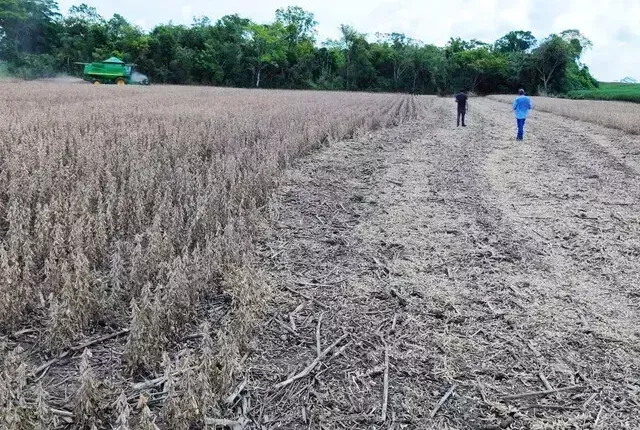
(521, 106)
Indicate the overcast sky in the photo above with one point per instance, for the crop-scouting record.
(612, 25)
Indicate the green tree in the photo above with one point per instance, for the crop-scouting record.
(298, 24)
(358, 71)
(27, 27)
(557, 62)
(229, 45)
(578, 42)
(578, 75)
(430, 68)
(550, 60)
(479, 70)
(515, 41)
(299, 31)
(163, 45)
(83, 29)
(267, 48)
(29, 37)
(395, 54)
(330, 59)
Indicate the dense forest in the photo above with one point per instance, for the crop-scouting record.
(36, 40)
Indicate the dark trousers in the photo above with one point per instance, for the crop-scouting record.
(461, 114)
(521, 129)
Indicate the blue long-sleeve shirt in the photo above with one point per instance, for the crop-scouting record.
(521, 106)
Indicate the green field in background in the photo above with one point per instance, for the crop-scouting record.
(609, 91)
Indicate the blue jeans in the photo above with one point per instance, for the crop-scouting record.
(521, 128)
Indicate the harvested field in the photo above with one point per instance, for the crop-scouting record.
(614, 114)
(429, 277)
(158, 269)
(126, 220)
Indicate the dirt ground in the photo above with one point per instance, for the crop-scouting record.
(479, 282)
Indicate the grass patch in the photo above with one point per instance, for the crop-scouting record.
(609, 91)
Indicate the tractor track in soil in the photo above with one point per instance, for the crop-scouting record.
(471, 264)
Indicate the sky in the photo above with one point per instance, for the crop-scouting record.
(612, 25)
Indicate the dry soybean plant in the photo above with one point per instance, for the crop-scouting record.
(619, 115)
(126, 221)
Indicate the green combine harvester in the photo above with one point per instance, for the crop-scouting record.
(113, 71)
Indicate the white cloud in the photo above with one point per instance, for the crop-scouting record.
(142, 23)
(187, 13)
(431, 21)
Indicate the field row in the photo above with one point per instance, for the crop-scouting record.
(619, 115)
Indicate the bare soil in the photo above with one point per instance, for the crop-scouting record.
(477, 267)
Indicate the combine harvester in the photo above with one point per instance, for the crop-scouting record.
(113, 71)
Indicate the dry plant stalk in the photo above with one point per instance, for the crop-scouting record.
(124, 412)
(147, 419)
(134, 208)
(14, 410)
(87, 399)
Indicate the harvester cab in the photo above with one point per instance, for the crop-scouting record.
(113, 71)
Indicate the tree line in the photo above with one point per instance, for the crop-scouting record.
(37, 41)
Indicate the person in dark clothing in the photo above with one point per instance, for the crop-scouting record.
(461, 99)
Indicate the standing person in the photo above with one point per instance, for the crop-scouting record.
(461, 99)
(521, 107)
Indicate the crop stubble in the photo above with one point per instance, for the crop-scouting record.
(481, 283)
